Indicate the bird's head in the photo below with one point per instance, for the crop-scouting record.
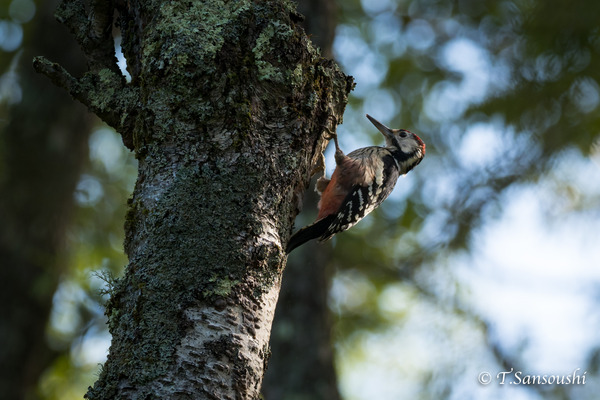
(404, 140)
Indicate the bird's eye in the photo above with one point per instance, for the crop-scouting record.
(403, 134)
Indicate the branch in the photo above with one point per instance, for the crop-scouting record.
(91, 30)
(102, 89)
(71, 13)
(103, 93)
(57, 74)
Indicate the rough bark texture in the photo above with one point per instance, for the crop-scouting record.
(225, 113)
(43, 145)
(302, 361)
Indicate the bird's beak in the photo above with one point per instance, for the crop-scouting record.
(387, 132)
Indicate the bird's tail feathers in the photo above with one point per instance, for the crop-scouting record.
(309, 232)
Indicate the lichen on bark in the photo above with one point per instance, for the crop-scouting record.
(228, 101)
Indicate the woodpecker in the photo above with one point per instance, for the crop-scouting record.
(361, 181)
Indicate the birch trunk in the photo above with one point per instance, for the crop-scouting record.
(225, 112)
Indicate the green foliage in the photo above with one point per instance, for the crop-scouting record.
(525, 72)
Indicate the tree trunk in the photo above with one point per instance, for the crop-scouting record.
(225, 113)
(302, 364)
(44, 147)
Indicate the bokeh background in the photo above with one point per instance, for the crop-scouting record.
(486, 257)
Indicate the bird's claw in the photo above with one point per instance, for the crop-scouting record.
(330, 134)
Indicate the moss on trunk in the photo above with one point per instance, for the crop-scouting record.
(229, 100)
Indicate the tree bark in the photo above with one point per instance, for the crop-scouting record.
(43, 148)
(302, 363)
(225, 113)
